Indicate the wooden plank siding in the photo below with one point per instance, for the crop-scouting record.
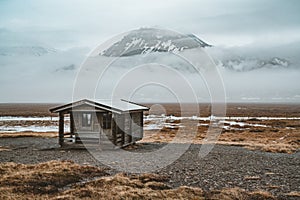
(137, 126)
(123, 129)
(127, 128)
(122, 123)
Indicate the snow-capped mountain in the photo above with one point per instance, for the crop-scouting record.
(25, 50)
(147, 40)
(151, 40)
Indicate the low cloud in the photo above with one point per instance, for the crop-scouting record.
(43, 43)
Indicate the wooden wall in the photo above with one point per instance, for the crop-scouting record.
(137, 126)
(121, 124)
(118, 124)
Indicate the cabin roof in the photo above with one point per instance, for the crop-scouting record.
(107, 105)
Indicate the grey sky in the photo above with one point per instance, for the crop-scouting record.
(252, 28)
(231, 22)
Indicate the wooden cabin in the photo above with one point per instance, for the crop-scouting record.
(121, 122)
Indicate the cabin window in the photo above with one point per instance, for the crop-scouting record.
(106, 123)
(86, 119)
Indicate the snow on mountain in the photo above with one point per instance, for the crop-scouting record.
(151, 40)
(243, 64)
(25, 50)
(147, 40)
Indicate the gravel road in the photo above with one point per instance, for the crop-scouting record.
(223, 167)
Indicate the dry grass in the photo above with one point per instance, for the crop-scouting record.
(146, 186)
(239, 194)
(45, 178)
(281, 136)
(4, 149)
(63, 180)
(28, 134)
(294, 194)
(276, 137)
(123, 187)
(235, 109)
(26, 109)
(280, 140)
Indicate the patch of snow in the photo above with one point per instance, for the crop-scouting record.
(152, 127)
(201, 124)
(232, 123)
(156, 122)
(12, 118)
(291, 128)
(8, 129)
(171, 117)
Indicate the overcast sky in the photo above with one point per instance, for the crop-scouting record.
(79, 22)
(74, 27)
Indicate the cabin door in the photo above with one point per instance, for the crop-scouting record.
(87, 122)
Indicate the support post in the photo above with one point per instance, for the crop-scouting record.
(114, 130)
(123, 130)
(72, 124)
(99, 119)
(130, 124)
(61, 129)
(121, 126)
(141, 124)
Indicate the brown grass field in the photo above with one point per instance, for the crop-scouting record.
(280, 136)
(232, 109)
(26, 109)
(67, 180)
(274, 138)
(236, 109)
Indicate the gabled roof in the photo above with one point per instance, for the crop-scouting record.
(107, 105)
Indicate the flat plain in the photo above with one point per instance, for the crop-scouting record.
(256, 156)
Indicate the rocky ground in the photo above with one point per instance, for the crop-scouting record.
(223, 167)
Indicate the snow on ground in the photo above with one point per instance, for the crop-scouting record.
(9, 129)
(171, 117)
(151, 122)
(27, 124)
(13, 118)
(156, 122)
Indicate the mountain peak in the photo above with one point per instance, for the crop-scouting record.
(147, 40)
